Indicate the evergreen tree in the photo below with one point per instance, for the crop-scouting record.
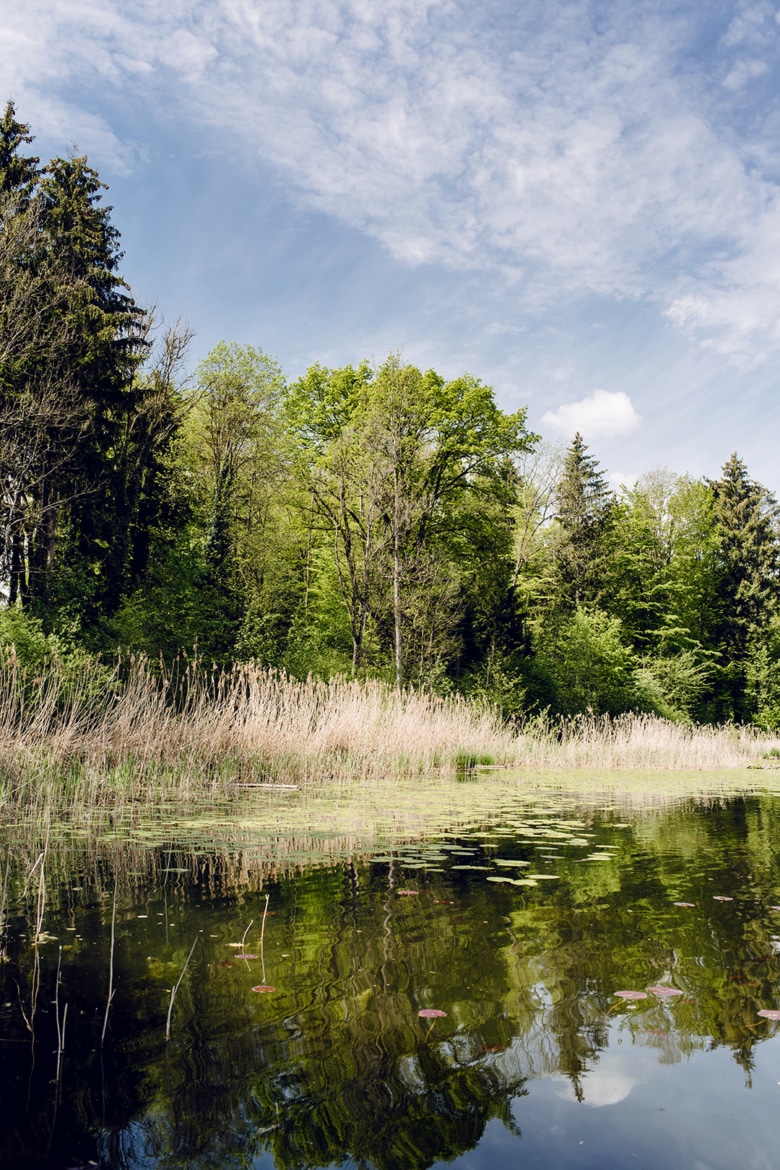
(584, 509)
(749, 583)
(106, 345)
(18, 172)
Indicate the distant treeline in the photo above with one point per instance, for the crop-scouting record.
(369, 521)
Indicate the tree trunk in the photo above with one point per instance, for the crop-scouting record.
(397, 589)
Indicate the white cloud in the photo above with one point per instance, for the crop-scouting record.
(621, 481)
(571, 148)
(602, 414)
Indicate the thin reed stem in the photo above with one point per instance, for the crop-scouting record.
(175, 988)
(110, 995)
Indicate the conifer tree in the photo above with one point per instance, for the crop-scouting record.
(106, 345)
(18, 172)
(584, 509)
(749, 584)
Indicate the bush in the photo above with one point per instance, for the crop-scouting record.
(589, 665)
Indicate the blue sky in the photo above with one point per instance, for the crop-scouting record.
(579, 202)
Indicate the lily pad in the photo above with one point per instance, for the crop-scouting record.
(721, 898)
(769, 1014)
(246, 956)
(262, 988)
(630, 994)
(660, 989)
(690, 905)
(431, 1014)
(407, 893)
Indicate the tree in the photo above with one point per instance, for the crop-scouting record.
(584, 507)
(341, 481)
(235, 450)
(439, 441)
(142, 457)
(37, 386)
(99, 348)
(589, 663)
(392, 457)
(749, 580)
(18, 172)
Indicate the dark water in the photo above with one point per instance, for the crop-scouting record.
(536, 1064)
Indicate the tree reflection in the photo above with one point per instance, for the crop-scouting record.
(335, 1064)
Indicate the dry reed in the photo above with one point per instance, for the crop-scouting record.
(103, 738)
(637, 741)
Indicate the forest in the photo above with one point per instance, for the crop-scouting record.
(373, 521)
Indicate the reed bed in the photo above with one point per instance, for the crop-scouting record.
(101, 737)
(196, 729)
(643, 742)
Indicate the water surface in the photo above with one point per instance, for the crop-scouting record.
(518, 913)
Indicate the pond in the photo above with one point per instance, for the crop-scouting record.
(433, 976)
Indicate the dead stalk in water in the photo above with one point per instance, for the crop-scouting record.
(60, 1025)
(175, 988)
(262, 937)
(246, 932)
(110, 971)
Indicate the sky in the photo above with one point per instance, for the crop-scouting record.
(578, 202)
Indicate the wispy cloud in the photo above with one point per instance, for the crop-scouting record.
(570, 149)
(602, 414)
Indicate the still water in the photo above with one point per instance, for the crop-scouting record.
(300, 963)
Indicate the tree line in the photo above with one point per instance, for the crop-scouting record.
(368, 520)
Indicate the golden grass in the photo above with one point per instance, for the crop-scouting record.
(640, 742)
(95, 740)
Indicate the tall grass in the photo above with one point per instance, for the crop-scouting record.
(639, 742)
(194, 727)
(99, 737)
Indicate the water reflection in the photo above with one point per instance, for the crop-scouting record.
(334, 1065)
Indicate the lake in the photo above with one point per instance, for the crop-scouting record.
(303, 934)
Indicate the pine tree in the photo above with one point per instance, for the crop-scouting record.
(584, 509)
(106, 344)
(749, 586)
(18, 173)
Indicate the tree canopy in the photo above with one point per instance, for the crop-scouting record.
(372, 519)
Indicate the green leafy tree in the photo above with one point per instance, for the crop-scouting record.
(237, 456)
(392, 458)
(588, 662)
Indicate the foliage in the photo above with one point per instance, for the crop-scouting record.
(591, 667)
(376, 520)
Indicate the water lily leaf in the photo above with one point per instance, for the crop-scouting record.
(431, 1014)
(246, 956)
(481, 867)
(506, 861)
(769, 1014)
(261, 988)
(630, 994)
(690, 905)
(544, 877)
(721, 898)
(407, 893)
(660, 989)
